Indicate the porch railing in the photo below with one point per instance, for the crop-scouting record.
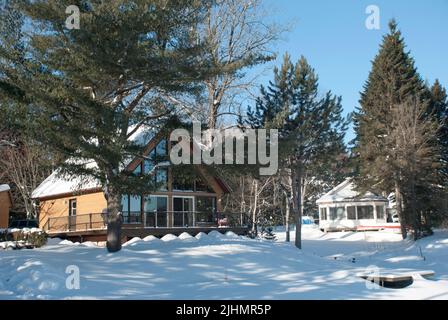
(153, 219)
(78, 222)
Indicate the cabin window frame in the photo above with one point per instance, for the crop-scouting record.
(156, 212)
(334, 213)
(371, 213)
(349, 216)
(128, 209)
(323, 213)
(71, 208)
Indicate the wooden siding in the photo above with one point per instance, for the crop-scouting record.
(5, 205)
(96, 203)
(55, 208)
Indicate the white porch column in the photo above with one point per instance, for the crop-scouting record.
(375, 216)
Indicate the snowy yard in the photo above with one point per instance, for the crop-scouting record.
(228, 267)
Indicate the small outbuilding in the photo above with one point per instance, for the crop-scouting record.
(5, 205)
(343, 208)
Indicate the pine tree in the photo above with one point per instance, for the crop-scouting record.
(439, 108)
(86, 91)
(311, 128)
(393, 84)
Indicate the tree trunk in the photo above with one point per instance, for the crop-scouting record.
(415, 216)
(399, 208)
(297, 203)
(288, 212)
(255, 208)
(114, 221)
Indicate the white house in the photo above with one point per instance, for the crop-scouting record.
(343, 208)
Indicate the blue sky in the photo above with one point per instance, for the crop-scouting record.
(332, 35)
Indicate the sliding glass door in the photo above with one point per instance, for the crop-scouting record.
(183, 215)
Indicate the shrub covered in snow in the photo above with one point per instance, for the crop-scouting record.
(23, 238)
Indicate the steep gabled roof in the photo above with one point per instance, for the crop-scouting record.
(58, 184)
(345, 191)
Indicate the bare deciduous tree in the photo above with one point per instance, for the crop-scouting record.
(239, 37)
(24, 164)
(414, 156)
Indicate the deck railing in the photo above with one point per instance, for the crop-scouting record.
(153, 219)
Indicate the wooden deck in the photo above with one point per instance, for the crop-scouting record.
(131, 232)
(397, 280)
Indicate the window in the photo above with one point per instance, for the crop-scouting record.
(148, 165)
(365, 212)
(72, 214)
(124, 203)
(340, 212)
(323, 214)
(380, 212)
(183, 215)
(162, 179)
(337, 213)
(156, 211)
(201, 186)
(351, 213)
(205, 209)
(131, 208)
(161, 149)
(183, 183)
(188, 183)
(332, 213)
(138, 170)
(72, 207)
(157, 155)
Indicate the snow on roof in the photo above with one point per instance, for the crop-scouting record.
(57, 183)
(345, 191)
(4, 187)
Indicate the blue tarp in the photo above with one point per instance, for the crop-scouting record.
(307, 220)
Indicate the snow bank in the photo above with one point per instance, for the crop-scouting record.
(69, 243)
(186, 236)
(215, 234)
(5, 245)
(226, 267)
(201, 236)
(169, 237)
(24, 230)
(151, 238)
(132, 241)
(232, 234)
(53, 241)
(89, 244)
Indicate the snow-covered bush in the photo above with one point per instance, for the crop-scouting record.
(22, 238)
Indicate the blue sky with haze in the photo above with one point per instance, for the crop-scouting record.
(333, 37)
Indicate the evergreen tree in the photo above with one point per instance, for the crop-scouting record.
(311, 128)
(87, 91)
(393, 84)
(439, 108)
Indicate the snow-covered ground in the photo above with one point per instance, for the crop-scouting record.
(215, 266)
